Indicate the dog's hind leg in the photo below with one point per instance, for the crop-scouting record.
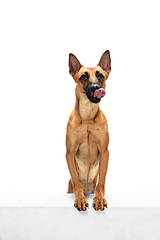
(70, 187)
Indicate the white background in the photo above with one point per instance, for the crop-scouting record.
(37, 92)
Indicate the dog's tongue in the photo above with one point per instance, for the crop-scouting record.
(99, 93)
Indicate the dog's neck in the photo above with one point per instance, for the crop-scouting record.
(86, 109)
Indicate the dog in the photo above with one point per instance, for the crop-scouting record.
(87, 136)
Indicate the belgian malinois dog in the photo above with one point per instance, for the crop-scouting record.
(87, 136)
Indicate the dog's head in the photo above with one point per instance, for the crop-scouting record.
(91, 81)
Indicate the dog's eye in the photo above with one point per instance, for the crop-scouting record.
(99, 76)
(84, 77)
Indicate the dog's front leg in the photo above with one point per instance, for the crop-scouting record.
(99, 201)
(80, 200)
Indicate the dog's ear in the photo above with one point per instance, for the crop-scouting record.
(105, 62)
(74, 64)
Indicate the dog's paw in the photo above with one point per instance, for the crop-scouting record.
(81, 204)
(99, 203)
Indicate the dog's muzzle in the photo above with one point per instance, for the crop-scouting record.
(90, 90)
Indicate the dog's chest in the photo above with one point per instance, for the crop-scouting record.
(87, 158)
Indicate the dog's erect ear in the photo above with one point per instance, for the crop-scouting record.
(105, 61)
(74, 65)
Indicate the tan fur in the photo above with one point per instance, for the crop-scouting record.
(87, 142)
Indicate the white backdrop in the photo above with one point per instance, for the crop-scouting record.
(37, 92)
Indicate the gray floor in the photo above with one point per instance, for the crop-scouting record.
(65, 222)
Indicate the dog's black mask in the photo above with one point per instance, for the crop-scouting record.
(90, 89)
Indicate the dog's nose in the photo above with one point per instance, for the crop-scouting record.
(92, 87)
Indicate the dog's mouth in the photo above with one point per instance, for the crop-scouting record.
(94, 92)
